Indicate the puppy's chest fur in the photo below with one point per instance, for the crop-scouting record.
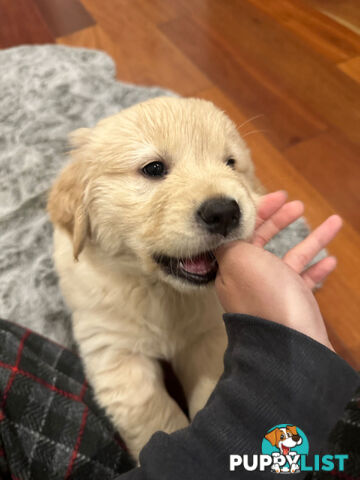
(117, 310)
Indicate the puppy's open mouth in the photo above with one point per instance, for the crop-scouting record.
(285, 450)
(200, 269)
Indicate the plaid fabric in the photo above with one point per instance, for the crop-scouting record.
(50, 426)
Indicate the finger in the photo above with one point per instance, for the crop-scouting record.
(269, 204)
(318, 272)
(229, 247)
(227, 254)
(299, 256)
(287, 214)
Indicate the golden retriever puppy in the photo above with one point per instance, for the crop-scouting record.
(148, 196)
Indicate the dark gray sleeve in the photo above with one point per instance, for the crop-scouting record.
(272, 375)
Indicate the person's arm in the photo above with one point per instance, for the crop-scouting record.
(273, 375)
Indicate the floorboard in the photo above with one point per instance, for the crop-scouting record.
(283, 118)
(21, 22)
(143, 53)
(351, 68)
(331, 165)
(320, 32)
(64, 16)
(346, 12)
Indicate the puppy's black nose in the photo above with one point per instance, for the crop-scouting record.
(219, 215)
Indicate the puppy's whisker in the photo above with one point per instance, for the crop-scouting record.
(254, 131)
(255, 117)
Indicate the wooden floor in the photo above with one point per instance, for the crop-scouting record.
(291, 66)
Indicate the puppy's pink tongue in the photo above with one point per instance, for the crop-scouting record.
(200, 265)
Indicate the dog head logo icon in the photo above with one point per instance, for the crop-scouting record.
(285, 443)
(284, 438)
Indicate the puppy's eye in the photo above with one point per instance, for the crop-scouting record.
(230, 162)
(154, 169)
(282, 437)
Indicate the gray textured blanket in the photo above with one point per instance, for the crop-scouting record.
(45, 93)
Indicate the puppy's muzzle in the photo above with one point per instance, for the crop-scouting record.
(219, 215)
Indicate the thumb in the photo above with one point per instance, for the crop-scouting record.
(244, 263)
(235, 252)
(234, 261)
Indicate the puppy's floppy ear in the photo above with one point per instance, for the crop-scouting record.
(66, 201)
(271, 436)
(81, 230)
(292, 429)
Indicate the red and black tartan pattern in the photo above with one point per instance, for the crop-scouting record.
(50, 426)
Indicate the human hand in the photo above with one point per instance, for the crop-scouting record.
(274, 214)
(253, 281)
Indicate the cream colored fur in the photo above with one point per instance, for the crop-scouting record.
(109, 221)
